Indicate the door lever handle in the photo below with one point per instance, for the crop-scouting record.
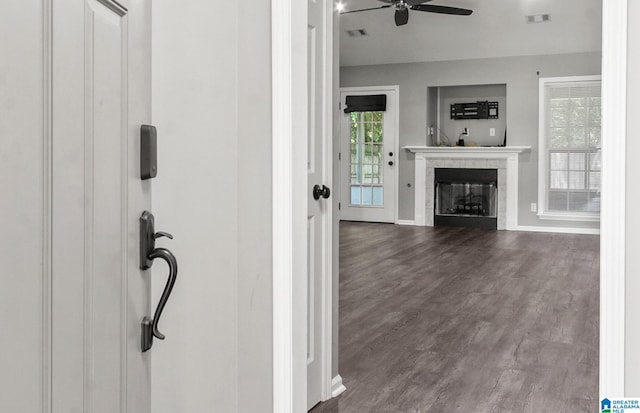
(162, 234)
(150, 326)
(148, 253)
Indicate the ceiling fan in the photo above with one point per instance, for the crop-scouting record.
(403, 7)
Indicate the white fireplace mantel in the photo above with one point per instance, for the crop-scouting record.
(504, 159)
(494, 152)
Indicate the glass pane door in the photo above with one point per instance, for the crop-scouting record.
(367, 139)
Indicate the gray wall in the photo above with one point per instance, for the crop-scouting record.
(520, 76)
(478, 128)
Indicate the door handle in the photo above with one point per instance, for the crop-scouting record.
(148, 253)
(150, 326)
(318, 192)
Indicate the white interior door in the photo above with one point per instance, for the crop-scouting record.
(101, 96)
(369, 156)
(319, 205)
(85, 296)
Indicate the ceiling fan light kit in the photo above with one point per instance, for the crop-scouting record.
(402, 16)
(403, 6)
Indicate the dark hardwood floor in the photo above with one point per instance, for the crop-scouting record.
(466, 320)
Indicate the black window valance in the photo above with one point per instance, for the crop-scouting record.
(366, 103)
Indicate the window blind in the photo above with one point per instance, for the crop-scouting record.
(366, 103)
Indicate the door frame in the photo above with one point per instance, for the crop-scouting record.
(326, 303)
(613, 208)
(396, 146)
(289, 130)
(289, 206)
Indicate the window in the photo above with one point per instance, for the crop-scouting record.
(569, 164)
(366, 158)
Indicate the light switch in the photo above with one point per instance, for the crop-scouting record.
(492, 131)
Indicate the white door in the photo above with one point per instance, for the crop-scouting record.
(369, 156)
(93, 296)
(319, 203)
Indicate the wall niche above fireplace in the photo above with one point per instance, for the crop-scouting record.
(487, 131)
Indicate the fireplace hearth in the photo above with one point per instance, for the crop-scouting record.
(466, 197)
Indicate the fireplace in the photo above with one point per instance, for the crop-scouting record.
(466, 197)
(504, 159)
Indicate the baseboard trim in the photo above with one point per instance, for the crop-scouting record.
(406, 222)
(560, 230)
(337, 388)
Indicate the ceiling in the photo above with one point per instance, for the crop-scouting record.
(497, 28)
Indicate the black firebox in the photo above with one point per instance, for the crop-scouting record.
(466, 197)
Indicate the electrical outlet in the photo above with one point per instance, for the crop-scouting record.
(431, 130)
(534, 207)
(492, 131)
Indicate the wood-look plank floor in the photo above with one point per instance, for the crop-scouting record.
(466, 320)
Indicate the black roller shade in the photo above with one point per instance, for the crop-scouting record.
(366, 103)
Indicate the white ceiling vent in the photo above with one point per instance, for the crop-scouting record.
(357, 32)
(538, 18)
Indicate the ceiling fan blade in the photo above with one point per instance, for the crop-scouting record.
(402, 16)
(416, 2)
(372, 8)
(407, 2)
(442, 9)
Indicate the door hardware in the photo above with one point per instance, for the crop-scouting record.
(390, 153)
(148, 152)
(318, 192)
(148, 253)
(390, 163)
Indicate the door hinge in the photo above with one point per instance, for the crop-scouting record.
(339, 105)
(339, 156)
(339, 206)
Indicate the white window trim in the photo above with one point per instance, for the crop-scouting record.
(542, 150)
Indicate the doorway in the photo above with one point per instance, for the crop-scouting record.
(368, 153)
(612, 218)
(441, 73)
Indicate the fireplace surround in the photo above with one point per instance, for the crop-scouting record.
(503, 159)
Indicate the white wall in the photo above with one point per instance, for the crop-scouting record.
(520, 74)
(212, 108)
(195, 197)
(253, 169)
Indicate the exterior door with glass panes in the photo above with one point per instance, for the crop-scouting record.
(368, 155)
